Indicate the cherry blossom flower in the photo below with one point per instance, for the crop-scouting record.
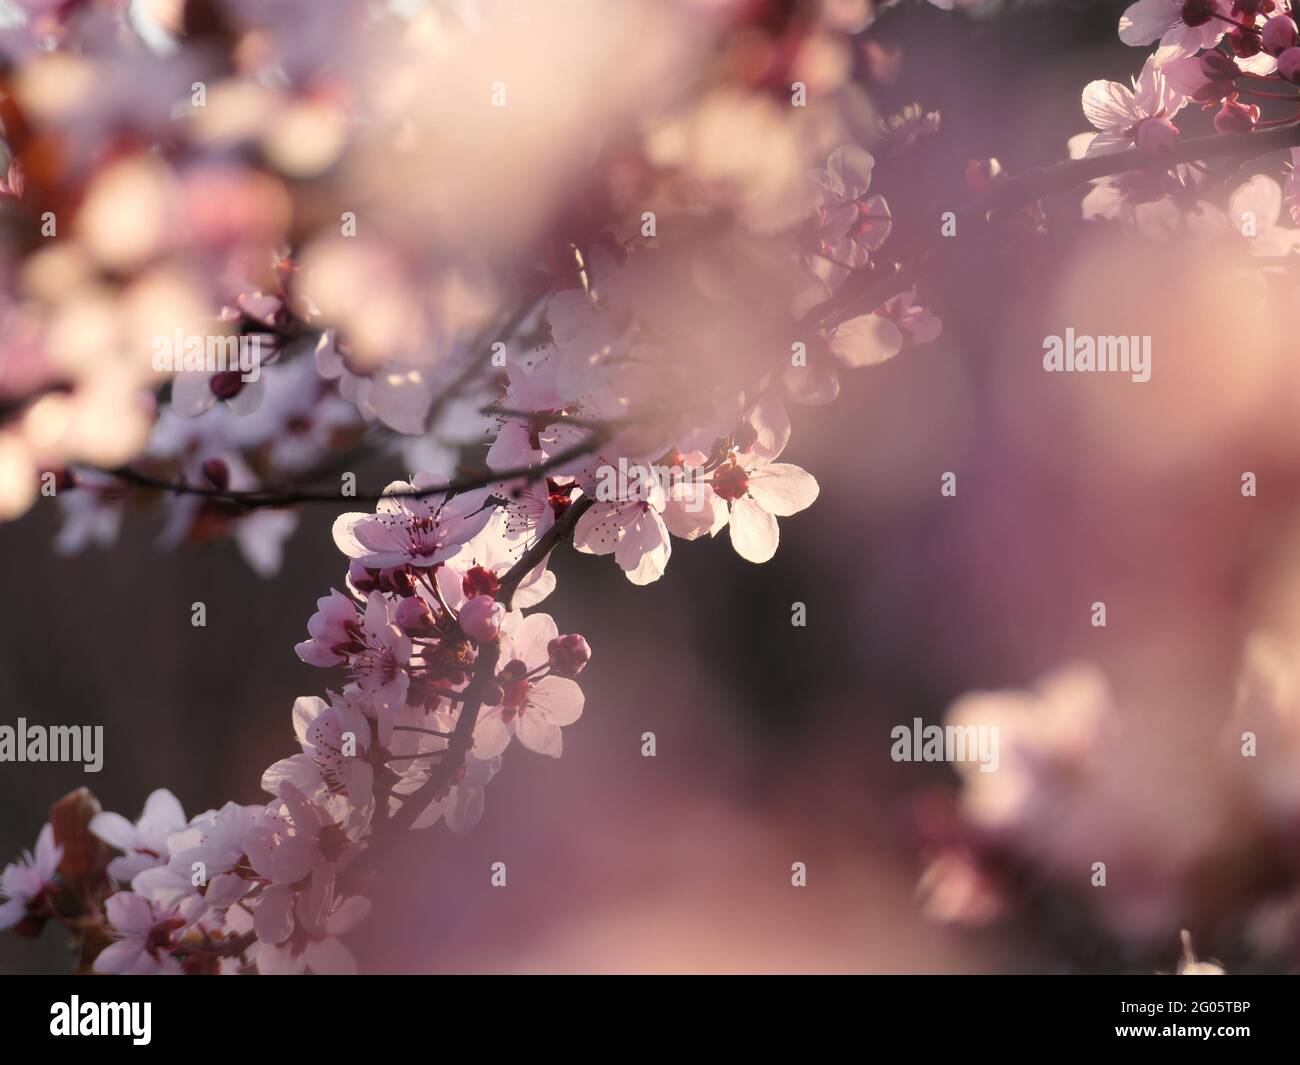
(335, 737)
(146, 933)
(335, 631)
(1119, 113)
(1182, 27)
(314, 945)
(533, 704)
(379, 667)
(748, 492)
(417, 530)
(24, 882)
(144, 844)
(874, 338)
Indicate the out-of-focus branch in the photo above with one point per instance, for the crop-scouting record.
(863, 292)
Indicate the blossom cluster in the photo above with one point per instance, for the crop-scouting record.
(1227, 57)
(636, 335)
(327, 180)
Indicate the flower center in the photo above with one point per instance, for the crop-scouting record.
(731, 482)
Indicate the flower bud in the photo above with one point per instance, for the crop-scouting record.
(216, 471)
(479, 581)
(361, 578)
(414, 617)
(1288, 65)
(226, 384)
(1236, 117)
(1157, 137)
(480, 618)
(569, 654)
(396, 579)
(1216, 66)
(1279, 34)
(1243, 44)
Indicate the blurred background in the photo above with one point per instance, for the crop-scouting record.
(773, 741)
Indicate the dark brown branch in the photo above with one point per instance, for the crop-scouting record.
(597, 436)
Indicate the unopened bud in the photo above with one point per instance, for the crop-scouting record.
(216, 471)
(361, 578)
(1279, 34)
(479, 581)
(1288, 65)
(1236, 117)
(569, 654)
(396, 579)
(414, 617)
(480, 618)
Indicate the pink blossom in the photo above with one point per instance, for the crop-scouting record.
(146, 934)
(533, 705)
(1118, 111)
(1181, 27)
(417, 530)
(25, 881)
(144, 843)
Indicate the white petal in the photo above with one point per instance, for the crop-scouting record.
(1109, 106)
(114, 829)
(539, 736)
(867, 340)
(754, 533)
(782, 489)
(559, 699)
(273, 918)
(329, 957)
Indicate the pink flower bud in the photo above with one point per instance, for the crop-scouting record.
(569, 654)
(1157, 137)
(397, 579)
(362, 579)
(216, 471)
(226, 385)
(480, 618)
(414, 617)
(1288, 65)
(1279, 34)
(1236, 117)
(479, 581)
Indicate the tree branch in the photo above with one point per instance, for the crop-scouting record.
(863, 292)
(598, 436)
(485, 666)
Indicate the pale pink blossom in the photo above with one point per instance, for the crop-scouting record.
(534, 705)
(25, 881)
(145, 934)
(144, 844)
(1118, 111)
